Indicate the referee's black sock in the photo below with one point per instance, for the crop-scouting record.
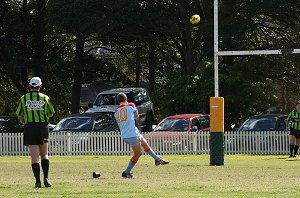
(296, 149)
(291, 149)
(36, 172)
(45, 167)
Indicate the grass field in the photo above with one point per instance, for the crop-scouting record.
(185, 176)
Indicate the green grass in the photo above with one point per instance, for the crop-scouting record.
(185, 176)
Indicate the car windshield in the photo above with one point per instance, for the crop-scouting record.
(261, 124)
(106, 99)
(173, 124)
(75, 123)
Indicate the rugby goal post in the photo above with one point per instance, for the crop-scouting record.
(217, 103)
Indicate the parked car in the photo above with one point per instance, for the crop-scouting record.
(173, 131)
(83, 132)
(107, 101)
(268, 124)
(184, 122)
(103, 122)
(264, 122)
(51, 126)
(9, 124)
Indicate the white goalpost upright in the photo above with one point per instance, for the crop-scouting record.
(216, 102)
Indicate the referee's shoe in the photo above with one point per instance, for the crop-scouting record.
(47, 183)
(38, 185)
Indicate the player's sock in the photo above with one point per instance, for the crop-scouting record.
(291, 149)
(296, 150)
(152, 153)
(131, 164)
(36, 171)
(45, 167)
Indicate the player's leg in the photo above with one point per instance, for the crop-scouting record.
(292, 141)
(296, 147)
(136, 147)
(45, 163)
(292, 145)
(34, 153)
(149, 150)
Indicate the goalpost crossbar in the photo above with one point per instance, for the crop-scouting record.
(258, 52)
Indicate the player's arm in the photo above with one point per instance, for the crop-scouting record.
(288, 120)
(19, 112)
(20, 118)
(136, 115)
(50, 109)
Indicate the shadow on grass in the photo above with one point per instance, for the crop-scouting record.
(285, 158)
(291, 160)
(193, 165)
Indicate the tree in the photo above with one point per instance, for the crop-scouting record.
(76, 18)
(152, 44)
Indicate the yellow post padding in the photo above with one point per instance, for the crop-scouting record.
(216, 114)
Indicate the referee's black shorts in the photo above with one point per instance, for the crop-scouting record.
(295, 132)
(36, 133)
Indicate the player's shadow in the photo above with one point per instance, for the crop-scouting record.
(286, 159)
(192, 165)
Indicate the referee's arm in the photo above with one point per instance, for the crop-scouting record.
(19, 112)
(50, 109)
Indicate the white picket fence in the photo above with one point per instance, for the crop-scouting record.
(93, 143)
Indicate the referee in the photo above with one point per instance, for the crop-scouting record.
(34, 110)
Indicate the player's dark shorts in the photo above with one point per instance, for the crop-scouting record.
(36, 133)
(295, 132)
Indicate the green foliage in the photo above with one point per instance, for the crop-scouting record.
(183, 57)
(244, 95)
(246, 90)
(190, 94)
(9, 97)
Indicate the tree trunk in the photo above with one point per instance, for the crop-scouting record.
(25, 52)
(152, 66)
(19, 77)
(137, 64)
(189, 67)
(78, 69)
(39, 35)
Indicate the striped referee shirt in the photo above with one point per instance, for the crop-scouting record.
(294, 117)
(35, 107)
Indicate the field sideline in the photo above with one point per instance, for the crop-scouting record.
(185, 176)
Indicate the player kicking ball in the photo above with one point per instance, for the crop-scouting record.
(126, 114)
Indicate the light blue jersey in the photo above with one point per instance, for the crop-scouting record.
(125, 117)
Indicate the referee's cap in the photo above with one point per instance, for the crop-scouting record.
(35, 82)
(298, 102)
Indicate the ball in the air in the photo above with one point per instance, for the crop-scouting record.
(195, 19)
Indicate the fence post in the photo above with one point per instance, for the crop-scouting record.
(68, 143)
(194, 140)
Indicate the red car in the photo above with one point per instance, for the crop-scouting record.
(184, 122)
(174, 131)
